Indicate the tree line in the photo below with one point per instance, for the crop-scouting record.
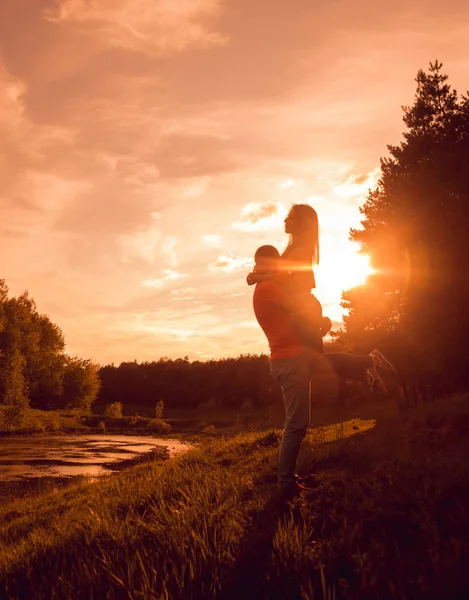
(34, 368)
(180, 383)
(414, 307)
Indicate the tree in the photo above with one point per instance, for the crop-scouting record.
(415, 230)
(114, 410)
(81, 383)
(13, 387)
(13, 383)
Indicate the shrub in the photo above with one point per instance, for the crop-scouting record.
(102, 426)
(13, 414)
(54, 423)
(113, 411)
(159, 410)
(209, 429)
(159, 426)
(210, 404)
(37, 426)
(246, 412)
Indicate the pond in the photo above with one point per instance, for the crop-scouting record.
(29, 464)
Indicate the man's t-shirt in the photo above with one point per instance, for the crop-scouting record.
(270, 307)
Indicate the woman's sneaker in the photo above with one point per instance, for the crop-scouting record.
(382, 373)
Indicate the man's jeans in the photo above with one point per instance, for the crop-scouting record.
(293, 375)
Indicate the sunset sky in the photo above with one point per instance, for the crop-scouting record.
(149, 146)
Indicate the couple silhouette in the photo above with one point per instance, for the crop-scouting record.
(294, 325)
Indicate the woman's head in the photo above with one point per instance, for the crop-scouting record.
(302, 225)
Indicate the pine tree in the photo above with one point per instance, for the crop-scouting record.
(415, 229)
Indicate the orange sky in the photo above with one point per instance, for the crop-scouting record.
(149, 146)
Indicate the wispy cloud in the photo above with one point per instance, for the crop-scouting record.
(261, 216)
(211, 239)
(149, 25)
(357, 185)
(168, 275)
(228, 264)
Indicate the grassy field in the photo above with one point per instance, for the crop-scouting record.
(65, 421)
(387, 518)
(186, 422)
(40, 421)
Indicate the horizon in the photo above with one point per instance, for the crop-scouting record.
(150, 149)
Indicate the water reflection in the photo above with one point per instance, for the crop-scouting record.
(30, 463)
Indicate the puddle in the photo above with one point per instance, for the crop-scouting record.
(26, 462)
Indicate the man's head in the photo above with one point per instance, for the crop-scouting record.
(267, 258)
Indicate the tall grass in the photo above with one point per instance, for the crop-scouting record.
(388, 518)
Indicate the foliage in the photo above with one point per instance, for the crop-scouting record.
(191, 384)
(414, 228)
(33, 366)
(159, 410)
(114, 410)
(159, 426)
(209, 429)
(246, 412)
(81, 384)
(13, 386)
(39, 421)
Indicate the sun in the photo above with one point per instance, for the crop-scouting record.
(342, 267)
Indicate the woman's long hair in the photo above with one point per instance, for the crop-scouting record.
(307, 231)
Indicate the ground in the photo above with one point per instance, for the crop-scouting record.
(387, 518)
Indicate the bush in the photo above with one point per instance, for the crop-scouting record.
(209, 429)
(210, 404)
(159, 410)
(54, 423)
(159, 426)
(13, 414)
(102, 426)
(113, 411)
(135, 421)
(246, 412)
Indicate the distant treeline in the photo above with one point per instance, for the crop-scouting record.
(227, 383)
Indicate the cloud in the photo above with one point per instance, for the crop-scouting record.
(211, 239)
(357, 185)
(169, 249)
(228, 264)
(261, 216)
(168, 275)
(185, 294)
(139, 135)
(144, 245)
(145, 25)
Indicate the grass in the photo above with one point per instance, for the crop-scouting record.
(36, 421)
(388, 518)
(41, 421)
